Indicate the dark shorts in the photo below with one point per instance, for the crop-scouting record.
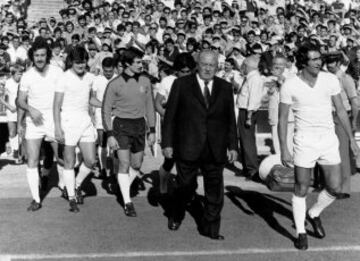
(130, 134)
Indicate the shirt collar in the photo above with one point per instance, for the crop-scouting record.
(127, 77)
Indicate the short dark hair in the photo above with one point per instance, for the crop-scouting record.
(129, 56)
(108, 62)
(77, 53)
(184, 60)
(302, 53)
(39, 43)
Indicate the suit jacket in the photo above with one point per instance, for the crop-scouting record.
(188, 124)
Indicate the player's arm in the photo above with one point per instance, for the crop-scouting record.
(35, 114)
(58, 101)
(7, 105)
(282, 130)
(106, 109)
(150, 115)
(344, 119)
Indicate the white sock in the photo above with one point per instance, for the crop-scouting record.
(69, 180)
(299, 213)
(124, 183)
(102, 153)
(323, 201)
(60, 170)
(14, 143)
(33, 180)
(83, 173)
(133, 173)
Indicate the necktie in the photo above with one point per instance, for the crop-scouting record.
(207, 94)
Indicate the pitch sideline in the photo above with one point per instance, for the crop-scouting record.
(249, 251)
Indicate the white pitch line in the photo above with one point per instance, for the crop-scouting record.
(178, 253)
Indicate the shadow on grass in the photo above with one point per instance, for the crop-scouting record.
(263, 205)
(87, 186)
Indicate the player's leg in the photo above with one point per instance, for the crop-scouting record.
(124, 180)
(13, 138)
(69, 175)
(32, 172)
(58, 150)
(88, 153)
(302, 183)
(332, 175)
(102, 152)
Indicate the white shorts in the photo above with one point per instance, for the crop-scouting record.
(81, 130)
(46, 130)
(11, 116)
(310, 148)
(98, 119)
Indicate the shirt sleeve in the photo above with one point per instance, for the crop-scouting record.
(24, 84)
(285, 94)
(256, 93)
(107, 105)
(335, 87)
(60, 82)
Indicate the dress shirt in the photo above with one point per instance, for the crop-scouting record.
(251, 92)
(202, 84)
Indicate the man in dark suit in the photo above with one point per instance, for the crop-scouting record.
(200, 133)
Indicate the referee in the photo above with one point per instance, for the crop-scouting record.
(129, 98)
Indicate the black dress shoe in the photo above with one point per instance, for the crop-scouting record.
(129, 210)
(173, 225)
(301, 242)
(217, 237)
(343, 196)
(317, 226)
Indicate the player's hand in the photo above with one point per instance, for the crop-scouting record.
(36, 116)
(232, 156)
(112, 143)
(151, 139)
(168, 152)
(287, 160)
(59, 135)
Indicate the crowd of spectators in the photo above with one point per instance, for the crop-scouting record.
(160, 30)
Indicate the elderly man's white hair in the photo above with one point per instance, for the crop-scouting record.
(208, 52)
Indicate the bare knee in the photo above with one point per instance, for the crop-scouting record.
(124, 166)
(301, 190)
(334, 190)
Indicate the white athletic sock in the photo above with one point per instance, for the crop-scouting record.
(14, 143)
(60, 170)
(299, 213)
(323, 201)
(163, 179)
(133, 173)
(102, 153)
(124, 183)
(33, 180)
(69, 180)
(83, 173)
